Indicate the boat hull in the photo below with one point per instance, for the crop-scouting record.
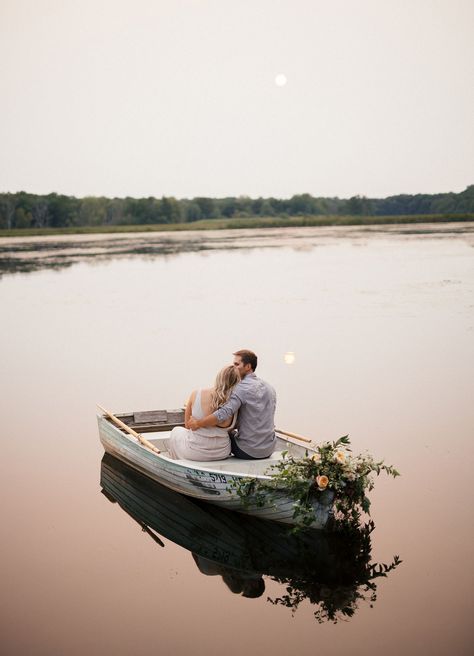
(205, 482)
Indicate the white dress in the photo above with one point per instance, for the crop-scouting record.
(211, 443)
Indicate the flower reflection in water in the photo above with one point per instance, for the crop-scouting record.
(329, 569)
(337, 593)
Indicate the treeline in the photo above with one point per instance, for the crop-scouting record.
(24, 210)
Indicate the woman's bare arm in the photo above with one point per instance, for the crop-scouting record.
(189, 409)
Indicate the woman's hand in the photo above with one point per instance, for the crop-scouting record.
(193, 423)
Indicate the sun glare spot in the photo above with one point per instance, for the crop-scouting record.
(280, 80)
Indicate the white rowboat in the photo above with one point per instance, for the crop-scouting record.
(215, 481)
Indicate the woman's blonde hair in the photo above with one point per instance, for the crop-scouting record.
(226, 380)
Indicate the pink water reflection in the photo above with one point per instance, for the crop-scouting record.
(381, 326)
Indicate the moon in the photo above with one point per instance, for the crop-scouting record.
(280, 80)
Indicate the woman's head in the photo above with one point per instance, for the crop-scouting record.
(226, 380)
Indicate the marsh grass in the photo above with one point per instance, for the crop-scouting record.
(244, 223)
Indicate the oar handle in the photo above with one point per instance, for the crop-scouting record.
(293, 435)
(129, 430)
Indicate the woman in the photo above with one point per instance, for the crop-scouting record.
(205, 443)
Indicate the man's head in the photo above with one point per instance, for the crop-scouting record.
(245, 362)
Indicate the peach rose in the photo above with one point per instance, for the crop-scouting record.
(322, 482)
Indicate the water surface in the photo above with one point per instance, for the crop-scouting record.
(381, 325)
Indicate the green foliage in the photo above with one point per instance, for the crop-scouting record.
(331, 467)
(24, 211)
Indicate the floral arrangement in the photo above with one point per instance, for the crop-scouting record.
(331, 467)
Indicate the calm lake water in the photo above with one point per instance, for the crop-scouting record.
(380, 325)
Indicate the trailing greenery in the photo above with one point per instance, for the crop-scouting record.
(337, 591)
(330, 468)
(24, 211)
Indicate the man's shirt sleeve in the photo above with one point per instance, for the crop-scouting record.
(226, 411)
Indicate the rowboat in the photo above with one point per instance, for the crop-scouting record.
(217, 482)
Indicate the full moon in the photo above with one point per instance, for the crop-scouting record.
(280, 80)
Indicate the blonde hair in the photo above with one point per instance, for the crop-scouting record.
(226, 380)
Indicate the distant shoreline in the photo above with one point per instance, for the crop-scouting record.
(244, 223)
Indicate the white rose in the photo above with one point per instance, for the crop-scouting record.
(340, 457)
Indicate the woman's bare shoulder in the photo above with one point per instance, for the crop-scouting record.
(206, 393)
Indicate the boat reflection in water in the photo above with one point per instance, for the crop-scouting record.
(331, 570)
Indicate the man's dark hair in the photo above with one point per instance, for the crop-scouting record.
(247, 357)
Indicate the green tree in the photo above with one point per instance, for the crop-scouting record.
(7, 210)
(63, 210)
(192, 212)
(267, 209)
(228, 207)
(170, 210)
(92, 211)
(40, 213)
(207, 207)
(22, 219)
(358, 206)
(301, 204)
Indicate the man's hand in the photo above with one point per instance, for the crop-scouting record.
(193, 423)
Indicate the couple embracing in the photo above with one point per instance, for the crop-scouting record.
(236, 416)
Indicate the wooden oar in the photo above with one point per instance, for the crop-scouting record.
(129, 430)
(293, 435)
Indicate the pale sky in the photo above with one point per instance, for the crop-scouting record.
(180, 97)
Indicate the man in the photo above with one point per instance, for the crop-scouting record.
(255, 402)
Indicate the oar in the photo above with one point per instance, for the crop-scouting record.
(153, 536)
(129, 430)
(293, 435)
(146, 529)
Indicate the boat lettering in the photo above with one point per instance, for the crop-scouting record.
(219, 478)
(221, 555)
(207, 488)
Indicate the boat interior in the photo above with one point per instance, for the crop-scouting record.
(230, 464)
(158, 424)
